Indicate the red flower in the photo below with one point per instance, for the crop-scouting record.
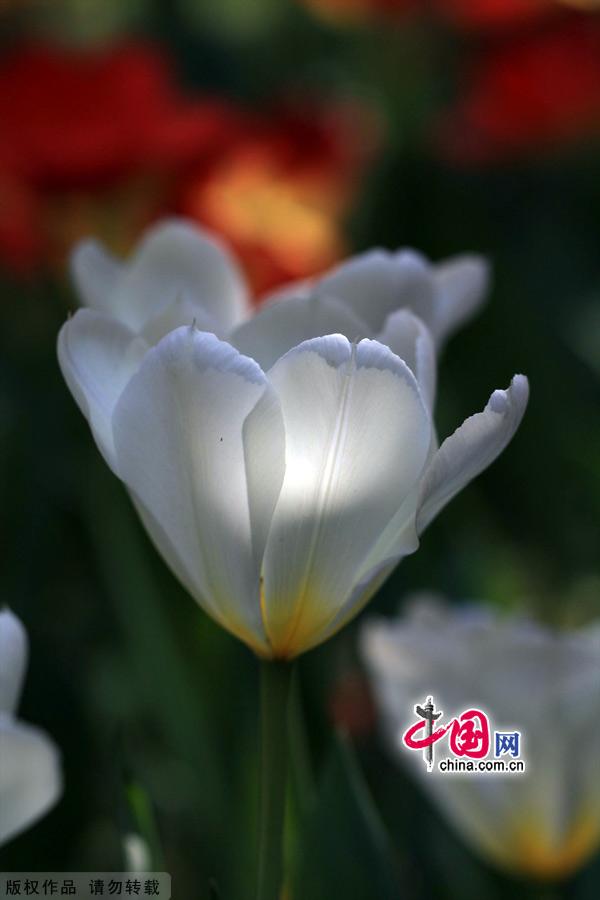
(78, 127)
(493, 13)
(537, 91)
(75, 117)
(104, 143)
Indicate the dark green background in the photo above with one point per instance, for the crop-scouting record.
(134, 682)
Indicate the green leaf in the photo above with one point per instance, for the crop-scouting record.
(345, 850)
(142, 813)
(157, 663)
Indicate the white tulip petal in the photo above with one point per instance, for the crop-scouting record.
(165, 547)
(13, 660)
(398, 539)
(357, 435)
(409, 338)
(97, 356)
(377, 283)
(471, 449)
(283, 324)
(30, 776)
(463, 282)
(180, 445)
(96, 273)
(367, 587)
(264, 454)
(177, 258)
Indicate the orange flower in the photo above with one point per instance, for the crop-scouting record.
(280, 193)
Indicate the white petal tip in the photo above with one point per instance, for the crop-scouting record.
(207, 351)
(365, 353)
(335, 349)
(517, 394)
(11, 626)
(498, 402)
(520, 384)
(84, 258)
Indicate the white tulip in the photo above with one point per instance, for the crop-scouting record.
(30, 776)
(544, 823)
(280, 499)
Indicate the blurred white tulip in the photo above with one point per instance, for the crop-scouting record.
(30, 774)
(544, 823)
(364, 297)
(178, 274)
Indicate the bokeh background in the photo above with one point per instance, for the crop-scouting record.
(300, 132)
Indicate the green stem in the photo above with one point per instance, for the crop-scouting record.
(274, 691)
(301, 775)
